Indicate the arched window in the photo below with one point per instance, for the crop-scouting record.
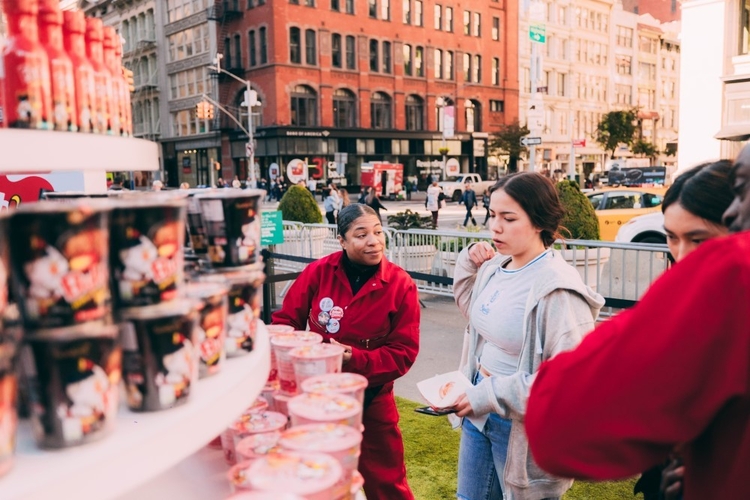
(473, 115)
(380, 111)
(414, 112)
(344, 109)
(304, 106)
(440, 105)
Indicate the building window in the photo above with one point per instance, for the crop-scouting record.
(310, 48)
(477, 69)
(351, 55)
(449, 19)
(294, 2)
(251, 48)
(477, 24)
(304, 106)
(335, 5)
(495, 71)
(349, 6)
(647, 44)
(467, 22)
(473, 112)
(438, 64)
(183, 44)
(624, 37)
(179, 9)
(419, 62)
(189, 83)
(374, 55)
(467, 67)
(228, 52)
(624, 65)
(387, 57)
(448, 65)
(310, 3)
(295, 49)
(263, 46)
(237, 52)
(407, 11)
(438, 17)
(336, 60)
(385, 10)
(562, 80)
(414, 113)
(407, 60)
(497, 106)
(647, 71)
(380, 111)
(344, 109)
(418, 13)
(496, 28)
(745, 27)
(372, 8)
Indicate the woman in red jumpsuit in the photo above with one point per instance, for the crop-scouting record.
(370, 306)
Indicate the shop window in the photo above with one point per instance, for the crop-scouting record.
(304, 106)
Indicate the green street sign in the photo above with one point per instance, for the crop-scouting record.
(271, 228)
(538, 33)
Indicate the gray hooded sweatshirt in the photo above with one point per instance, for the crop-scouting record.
(560, 311)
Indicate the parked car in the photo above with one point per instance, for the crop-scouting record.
(647, 228)
(614, 207)
(453, 187)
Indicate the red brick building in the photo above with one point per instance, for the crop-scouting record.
(368, 78)
(663, 10)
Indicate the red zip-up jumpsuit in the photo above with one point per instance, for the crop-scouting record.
(381, 324)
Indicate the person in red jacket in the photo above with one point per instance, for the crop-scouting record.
(370, 306)
(673, 370)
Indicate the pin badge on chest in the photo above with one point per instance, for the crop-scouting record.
(326, 304)
(323, 318)
(337, 312)
(333, 326)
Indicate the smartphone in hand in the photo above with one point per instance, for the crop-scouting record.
(427, 410)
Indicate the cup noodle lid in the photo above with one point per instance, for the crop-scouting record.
(316, 351)
(297, 338)
(341, 383)
(256, 423)
(274, 329)
(312, 475)
(259, 406)
(324, 407)
(327, 438)
(258, 445)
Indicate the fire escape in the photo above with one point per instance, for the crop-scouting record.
(224, 13)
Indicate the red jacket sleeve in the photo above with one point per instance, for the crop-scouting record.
(392, 360)
(650, 378)
(296, 306)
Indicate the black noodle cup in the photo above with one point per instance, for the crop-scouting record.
(196, 229)
(72, 376)
(232, 222)
(59, 257)
(8, 395)
(4, 259)
(244, 305)
(160, 362)
(147, 235)
(212, 324)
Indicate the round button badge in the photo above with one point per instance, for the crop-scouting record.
(323, 318)
(333, 326)
(326, 304)
(337, 313)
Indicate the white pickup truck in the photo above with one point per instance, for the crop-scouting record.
(453, 187)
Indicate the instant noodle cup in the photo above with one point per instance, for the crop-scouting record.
(8, 396)
(245, 286)
(73, 378)
(257, 445)
(232, 222)
(259, 406)
(310, 475)
(147, 258)
(160, 355)
(318, 359)
(349, 384)
(340, 441)
(247, 425)
(212, 325)
(272, 331)
(281, 403)
(313, 408)
(282, 344)
(59, 256)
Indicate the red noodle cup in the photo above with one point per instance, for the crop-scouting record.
(232, 221)
(311, 475)
(147, 258)
(282, 344)
(258, 445)
(72, 376)
(317, 408)
(160, 355)
(245, 286)
(317, 359)
(8, 396)
(340, 441)
(350, 384)
(59, 256)
(281, 403)
(272, 331)
(247, 425)
(212, 325)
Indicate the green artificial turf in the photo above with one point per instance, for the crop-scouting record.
(431, 449)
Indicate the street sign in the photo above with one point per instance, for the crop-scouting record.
(271, 228)
(542, 90)
(249, 149)
(538, 33)
(530, 141)
(579, 143)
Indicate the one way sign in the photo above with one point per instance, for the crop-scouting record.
(530, 141)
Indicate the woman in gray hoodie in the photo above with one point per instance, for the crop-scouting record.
(524, 304)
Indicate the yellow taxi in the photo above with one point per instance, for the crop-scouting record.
(616, 206)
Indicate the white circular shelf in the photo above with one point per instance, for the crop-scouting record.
(143, 445)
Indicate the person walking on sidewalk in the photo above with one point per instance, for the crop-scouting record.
(432, 202)
(469, 199)
(486, 203)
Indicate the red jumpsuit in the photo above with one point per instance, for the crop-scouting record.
(381, 324)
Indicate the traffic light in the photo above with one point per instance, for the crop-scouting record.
(204, 110)
(128, 74)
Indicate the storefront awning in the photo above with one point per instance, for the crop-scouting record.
(734, 132)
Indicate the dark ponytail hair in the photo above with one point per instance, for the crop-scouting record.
(705, 191)
(351, 213)
(539, 199)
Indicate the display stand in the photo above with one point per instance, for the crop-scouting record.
(144, 445)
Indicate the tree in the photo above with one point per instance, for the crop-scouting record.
(508, 140)
(580, 221)
(645, 149)
(298, 204)
(615, 128)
